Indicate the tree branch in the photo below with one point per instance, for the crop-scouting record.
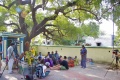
(16, 30)
(37, 7)
(83, 9)
(37, 32)
(47, 37)
(49, 32)
(23, 25)
(41, 25)
(34, 14)
(9, 6)
(4, 6)
(50, 25)
(53, 17)
(34, 17)
(9, 24)
(70, 18)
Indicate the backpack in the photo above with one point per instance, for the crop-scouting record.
(39, 71)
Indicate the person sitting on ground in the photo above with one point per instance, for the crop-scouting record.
(53, 58)
(65, 58)
(76, 61)
(47, 56)
(39, 55)
(45, 66)
(71, 62)
(39, 60)
(50, 61)
(62, 66)
(60, 59)
(50, 55)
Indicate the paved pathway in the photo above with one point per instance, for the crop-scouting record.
(92, 72)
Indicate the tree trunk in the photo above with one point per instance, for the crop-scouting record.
(26, 45)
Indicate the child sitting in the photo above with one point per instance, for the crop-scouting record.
(76, 61)
(71, 62)
(45, 72)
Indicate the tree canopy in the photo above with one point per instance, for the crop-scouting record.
(56, 18)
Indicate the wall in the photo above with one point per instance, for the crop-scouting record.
(98, 54)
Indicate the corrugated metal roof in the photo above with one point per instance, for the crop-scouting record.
(10, 34)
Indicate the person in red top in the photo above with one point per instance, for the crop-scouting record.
(71, 62)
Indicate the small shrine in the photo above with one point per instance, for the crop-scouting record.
(7, 38)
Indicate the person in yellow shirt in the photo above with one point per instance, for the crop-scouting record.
(33, 51)
(76, 61)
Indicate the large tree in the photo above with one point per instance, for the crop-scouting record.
(32, 17)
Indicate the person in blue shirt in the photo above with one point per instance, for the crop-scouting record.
(57, 57)
(83, 53)
(50, 55)
(39, 55)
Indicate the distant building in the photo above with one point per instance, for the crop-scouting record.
(47, 42)
(106, 40)
(100, 41)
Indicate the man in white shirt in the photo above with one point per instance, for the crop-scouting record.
(11, 57)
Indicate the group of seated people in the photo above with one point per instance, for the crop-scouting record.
(56, 62)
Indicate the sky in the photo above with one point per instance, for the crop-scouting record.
(107, 27)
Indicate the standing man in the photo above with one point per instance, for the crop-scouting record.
(115, 52)
(57, 57)
(11, 57)
(0, 54)
(83, 56)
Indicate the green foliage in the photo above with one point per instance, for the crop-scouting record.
(112, 1)
(92, 29)
(65, 42)
(67, 24)
(2, 28)
(67, 28)
(39, 17)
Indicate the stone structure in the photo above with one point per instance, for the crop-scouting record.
(8, 37)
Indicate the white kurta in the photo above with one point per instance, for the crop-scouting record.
(10, 59)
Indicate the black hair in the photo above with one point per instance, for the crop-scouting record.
(60, 56)
(12, 44)
(48, 52)
(42, 61)
(83, 46)
(65, 57)
(116, 50)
